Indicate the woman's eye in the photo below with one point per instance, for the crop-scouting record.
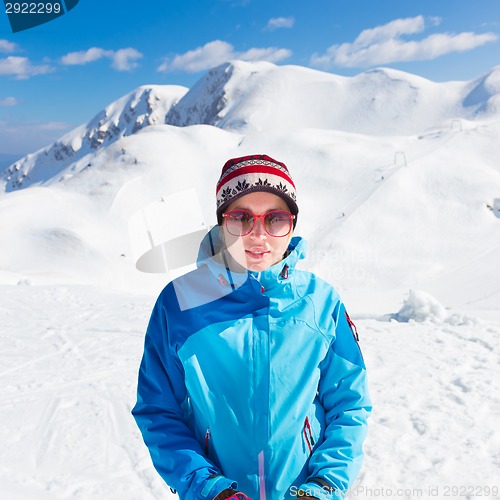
(244, 218)
(273, 219)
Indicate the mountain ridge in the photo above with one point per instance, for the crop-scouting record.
(145, 106)
(245, 97)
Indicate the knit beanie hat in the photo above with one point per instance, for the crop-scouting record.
(248, 174)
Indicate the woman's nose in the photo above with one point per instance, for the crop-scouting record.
(258, 228)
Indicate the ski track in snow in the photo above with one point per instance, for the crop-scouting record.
(68, 374)
(68, 369)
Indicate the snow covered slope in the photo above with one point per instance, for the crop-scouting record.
(260, 96)
(394, 182)
(251, 97)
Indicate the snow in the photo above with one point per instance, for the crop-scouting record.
(68, 384)
(398, 187)
(249, 97)
(420, 306)
(436, 404)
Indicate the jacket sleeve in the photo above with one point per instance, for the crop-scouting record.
(159, 412)
(343, 392)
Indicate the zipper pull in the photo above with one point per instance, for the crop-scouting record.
(309, 439)
(207, 439)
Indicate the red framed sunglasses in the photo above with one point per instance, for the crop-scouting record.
(277, 223)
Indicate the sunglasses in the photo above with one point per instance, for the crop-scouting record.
(277, 223)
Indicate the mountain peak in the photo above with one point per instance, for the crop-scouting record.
(145, 106)
(215, 94)
(484, 92)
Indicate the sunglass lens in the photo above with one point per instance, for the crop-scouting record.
(278, 223)
(239, 223)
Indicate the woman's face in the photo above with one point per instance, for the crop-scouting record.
(257, 250)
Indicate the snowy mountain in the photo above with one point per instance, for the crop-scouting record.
(247, 97)
(147, 105)
(393, 170)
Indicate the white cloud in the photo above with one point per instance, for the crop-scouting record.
(280, 22)
(86, 56)
(217, 52)
(125, 59)
(394, 29)
(384, 45)
(122, 59)
(202, 58)
(9, 101)
(6, 46)
(21, 68)
(270, 54)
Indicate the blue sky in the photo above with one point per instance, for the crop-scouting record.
(60, 74)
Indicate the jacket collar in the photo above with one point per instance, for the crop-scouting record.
(213, 254)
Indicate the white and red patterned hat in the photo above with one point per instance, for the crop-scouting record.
(241, 176)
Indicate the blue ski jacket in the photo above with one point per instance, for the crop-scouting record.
(253, 381)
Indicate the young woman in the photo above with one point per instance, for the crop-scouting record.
(252, 383)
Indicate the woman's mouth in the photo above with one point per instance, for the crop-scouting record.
(257, 253)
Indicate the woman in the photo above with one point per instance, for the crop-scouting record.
(252, 383)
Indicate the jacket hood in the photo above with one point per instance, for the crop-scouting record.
(213, 254)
